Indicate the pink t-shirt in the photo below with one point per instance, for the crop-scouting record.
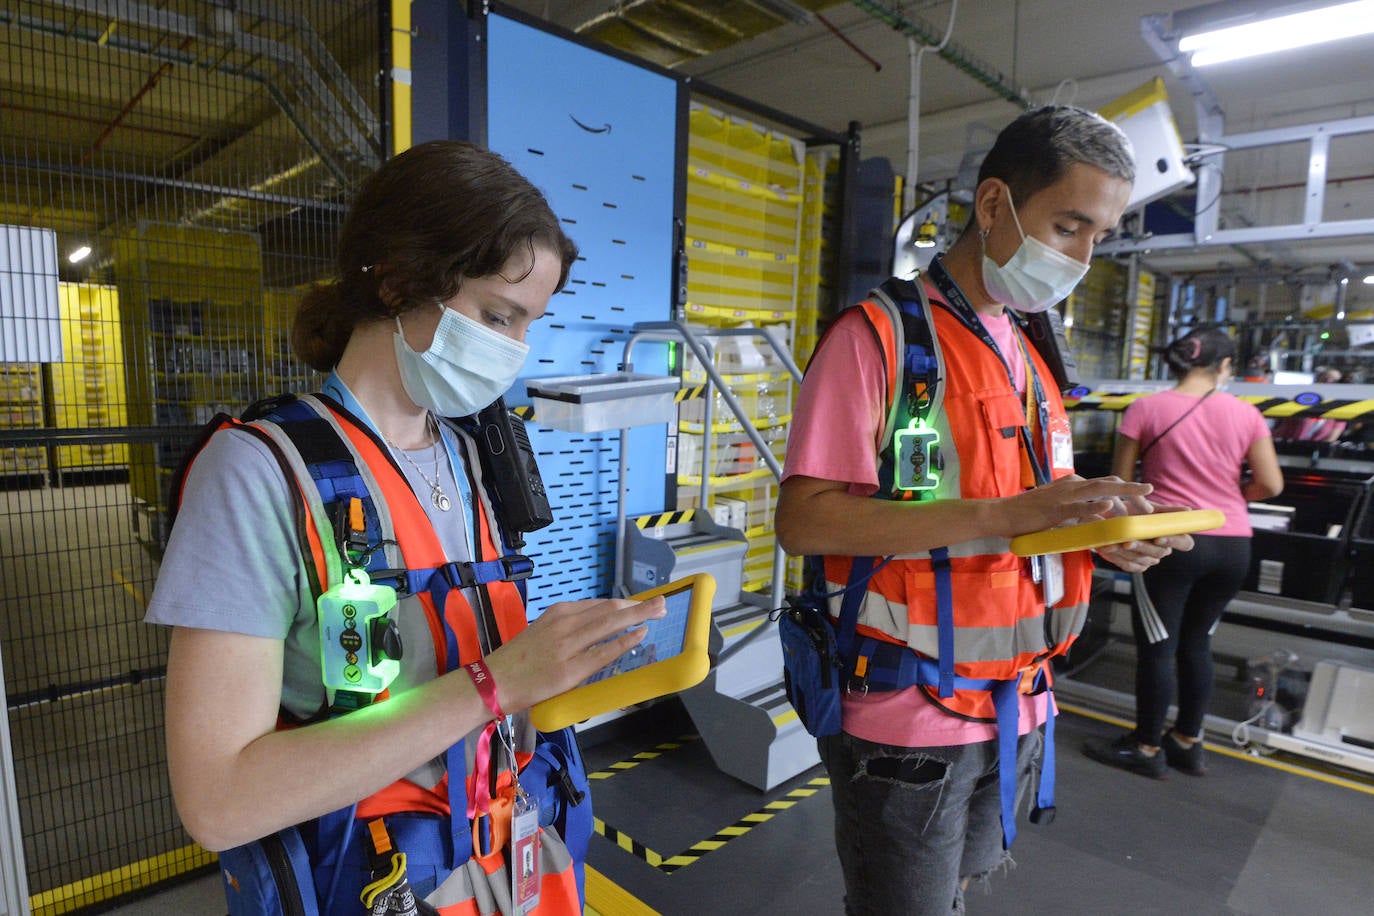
(1197, 463)
(839, 411)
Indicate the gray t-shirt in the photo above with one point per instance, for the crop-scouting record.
(233, 562)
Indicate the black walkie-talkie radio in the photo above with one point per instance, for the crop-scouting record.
(508, 461)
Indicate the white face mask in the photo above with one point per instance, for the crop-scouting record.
(1036, 277)
(466, 367)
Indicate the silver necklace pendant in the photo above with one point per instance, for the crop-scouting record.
(437, 497)
(440, 499)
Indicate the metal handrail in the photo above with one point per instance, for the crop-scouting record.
(699, 342)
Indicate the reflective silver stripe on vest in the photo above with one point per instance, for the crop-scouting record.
(490, 893)
(971, 644)
(977, 547)
(324, 528)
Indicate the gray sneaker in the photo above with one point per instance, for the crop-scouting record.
(1125, 753)
(1186, 758)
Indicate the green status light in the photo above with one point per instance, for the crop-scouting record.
(359, 644)
(916, 456)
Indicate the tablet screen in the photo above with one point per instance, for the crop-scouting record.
(672, 656)
(664, 640)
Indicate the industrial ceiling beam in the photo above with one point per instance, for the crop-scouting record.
(349, 123)
(956, 54)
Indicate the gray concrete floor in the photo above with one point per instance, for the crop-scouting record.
(1248, 839)
(90, 769)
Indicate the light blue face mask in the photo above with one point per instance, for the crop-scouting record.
(1036, 277)
(466, 367)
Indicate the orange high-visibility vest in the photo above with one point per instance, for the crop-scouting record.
(417, 547)
(1002, 626)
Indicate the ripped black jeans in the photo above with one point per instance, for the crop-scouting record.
(912, 823)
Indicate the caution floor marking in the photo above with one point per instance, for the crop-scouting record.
(670, 864)
(642, 756)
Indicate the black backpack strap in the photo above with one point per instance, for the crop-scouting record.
(919, 387)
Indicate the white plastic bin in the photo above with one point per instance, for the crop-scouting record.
(612, 400)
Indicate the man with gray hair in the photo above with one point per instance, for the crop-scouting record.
(928, 432)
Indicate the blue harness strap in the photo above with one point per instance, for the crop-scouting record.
(1004, 699)
(890, 666)
(859, 572)
(337, 479)
(944, 619)
(894, 667)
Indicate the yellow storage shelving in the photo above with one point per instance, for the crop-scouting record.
(192, 319)
(279, 312)
(21, 407)
(88, 386)
(747, 196)
(812, 251)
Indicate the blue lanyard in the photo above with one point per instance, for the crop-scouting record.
(968, 316)
(335, 388)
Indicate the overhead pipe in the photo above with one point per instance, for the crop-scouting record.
(916, 52)
(868, 58)
(954, 53)
(170, 56)
(341, 112)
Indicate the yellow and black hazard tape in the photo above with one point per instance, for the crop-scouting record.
(627, 843)
(637, 759)
(661, 519)
(687, 394)
(744, 825)
(1301, 404)
(524, 413)
(738, 829)
(1327, 410)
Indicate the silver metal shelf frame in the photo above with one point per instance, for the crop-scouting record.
(701, 343)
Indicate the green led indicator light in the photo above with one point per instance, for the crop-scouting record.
(916, 457)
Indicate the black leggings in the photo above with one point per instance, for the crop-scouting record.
(1177, 610)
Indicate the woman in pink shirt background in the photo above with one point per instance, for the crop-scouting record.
(1192, 443)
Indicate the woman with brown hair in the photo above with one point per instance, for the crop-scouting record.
(446, 258)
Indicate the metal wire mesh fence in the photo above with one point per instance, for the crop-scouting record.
(170, 181)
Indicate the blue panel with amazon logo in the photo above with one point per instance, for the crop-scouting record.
(600, 137)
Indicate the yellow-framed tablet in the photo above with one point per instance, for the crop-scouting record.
(1116, 530)
(672, 657)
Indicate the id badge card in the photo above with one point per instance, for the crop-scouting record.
(524, 854)
(1061, 445)
(1052, 581)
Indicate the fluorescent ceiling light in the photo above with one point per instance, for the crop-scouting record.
(1280, 33)
(1369, 280)
(79, 254)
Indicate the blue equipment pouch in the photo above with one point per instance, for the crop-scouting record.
(811, 665)
(271, 875)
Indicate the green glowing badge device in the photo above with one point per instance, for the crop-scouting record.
(673, 656)
(359, 644)
(916, 456)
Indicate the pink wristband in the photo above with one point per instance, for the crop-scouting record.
(486, 686)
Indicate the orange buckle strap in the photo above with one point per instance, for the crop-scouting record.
(860, 677)
(1030, 674)
(387, 890)
(381, 839)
